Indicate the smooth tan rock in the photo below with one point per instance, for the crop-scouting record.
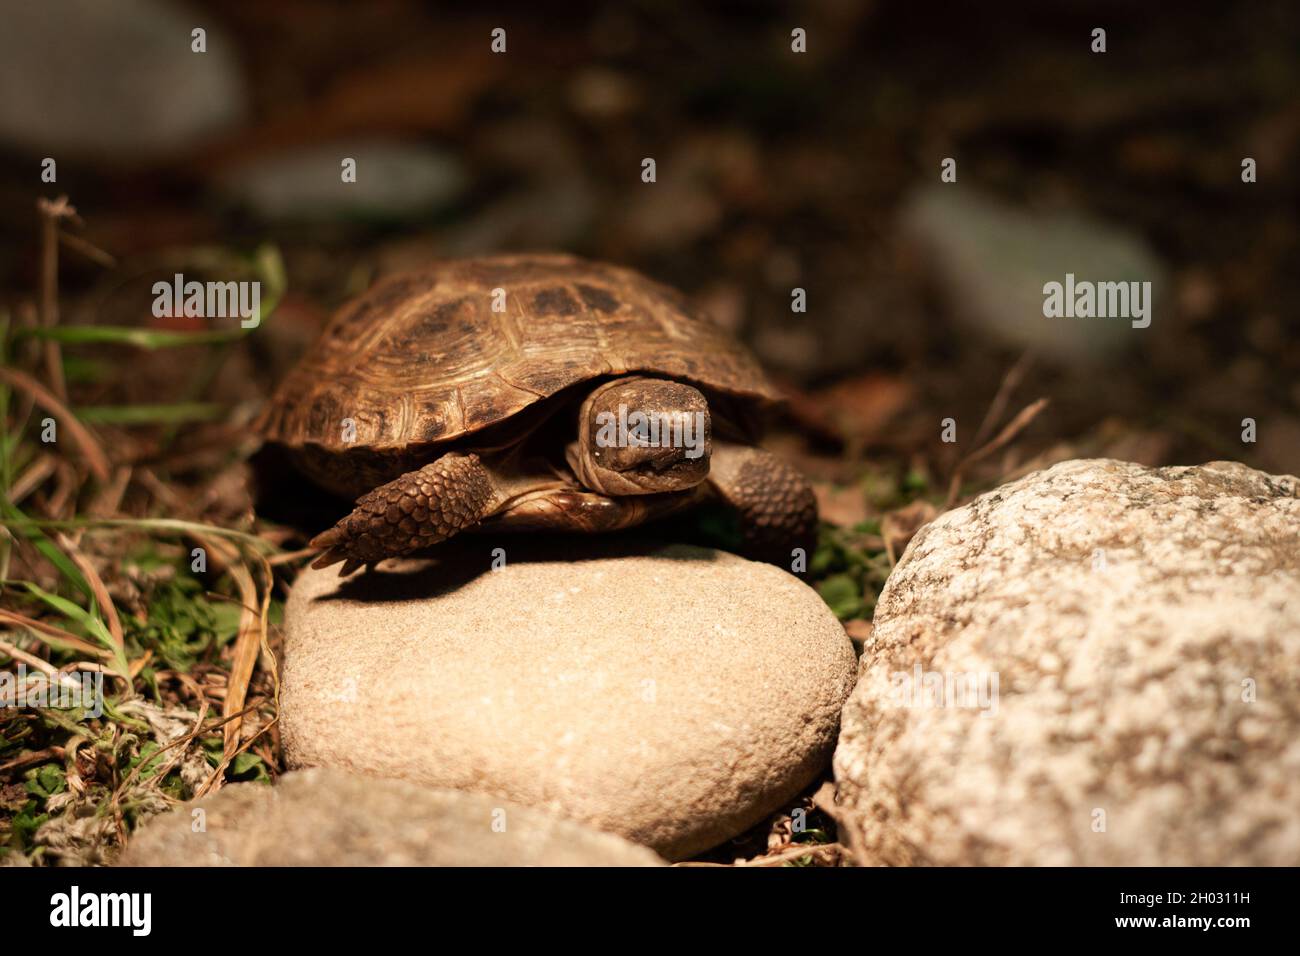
(330, 818)
(675, 698)
(1144, 629)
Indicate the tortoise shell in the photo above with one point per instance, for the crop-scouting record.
(423, 358)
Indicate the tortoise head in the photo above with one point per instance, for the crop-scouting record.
(641, 436)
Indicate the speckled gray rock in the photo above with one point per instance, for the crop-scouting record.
(330, 818)
(1143, 626)
(676, 697)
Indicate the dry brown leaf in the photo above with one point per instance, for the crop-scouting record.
(853, 411)
(840, 506)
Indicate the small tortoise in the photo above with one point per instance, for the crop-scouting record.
(502, 392)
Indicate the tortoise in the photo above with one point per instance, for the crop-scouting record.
(502, 392)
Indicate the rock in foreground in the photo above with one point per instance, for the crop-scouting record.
(675, 698)
(328, 818)
(1143, 629)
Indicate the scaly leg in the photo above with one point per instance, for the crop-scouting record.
(411, 512)
(775, 503)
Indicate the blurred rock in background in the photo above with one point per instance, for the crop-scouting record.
(115, 82)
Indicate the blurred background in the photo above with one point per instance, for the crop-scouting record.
(776, 170)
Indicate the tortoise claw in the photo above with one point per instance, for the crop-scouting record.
(331, 546)
(327, 539)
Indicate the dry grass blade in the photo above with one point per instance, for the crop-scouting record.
(251, 638)
(178, 742)
(108, 500)
(88, 249)
(67, 485)
(52, 211)
(81, 436)
(140, 664)
(1012, 429)
(829, 852)
(55, 674)
(214, 781)
(797, 852)
(247, 645)
(1010, 382)
(31, 660)
(32, 478)
(54, 636)
(180, 754)
(32, 758)
(1003, 438)
(101, 593)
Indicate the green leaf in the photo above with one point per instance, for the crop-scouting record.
(842, 595)
(28, 821)
(810, 836)
(46, 780)
(226, 619)
(80, 370)
(151, 758)
(915, 481)
(182, 624)
(269, 265)
(248, 766)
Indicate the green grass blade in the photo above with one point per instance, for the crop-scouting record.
(15, 520)
(137, 337)
(88, 619)
(169, 525)
(151, 414)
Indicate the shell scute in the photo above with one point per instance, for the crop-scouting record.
(424, 358)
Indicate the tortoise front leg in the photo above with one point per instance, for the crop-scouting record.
(572, 509)
(775, 503)
(411, 512)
